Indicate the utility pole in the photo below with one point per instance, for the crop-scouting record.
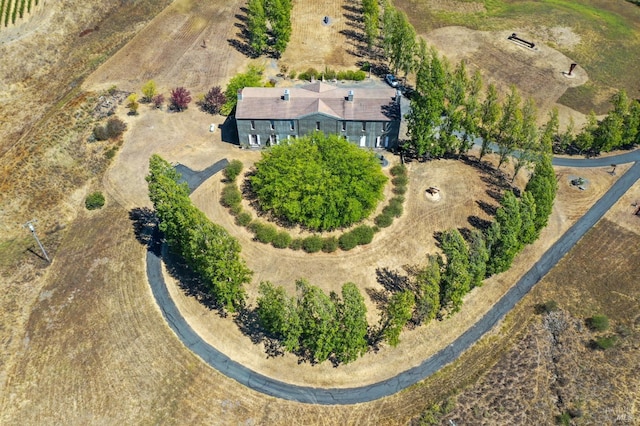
(31, 228)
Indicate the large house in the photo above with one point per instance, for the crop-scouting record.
(368, 117)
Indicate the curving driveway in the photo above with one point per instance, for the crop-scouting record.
(343, 396)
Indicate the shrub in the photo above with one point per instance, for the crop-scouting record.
(264, 232)
(383, 220)
(296, 244)
(231, 195)
(243, 218)
(399, 190)
(547, 307)
(364, 234)
(400, 180)
(94, 201)
(111, 130)
(213, 100)
(292, 75)
(158, 100)
(309, 74)
(281, 240)
(180, 98)
(132, 104)
(149, 90)
(330, 244)
(348, 240)
(329, 74)
(394, 208)
(312, 244)
(598, 322)
(232, 170)
(398, 170)
(605, 343)
(236, 209)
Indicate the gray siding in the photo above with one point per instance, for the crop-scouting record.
(264, 130)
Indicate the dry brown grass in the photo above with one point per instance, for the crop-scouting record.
(83, 341)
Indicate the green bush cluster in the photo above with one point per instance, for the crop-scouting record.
(231, 195)
(598, 322)
(312, 244)
(233, 170)
(329, 244)
(94, 201)
(330, 74)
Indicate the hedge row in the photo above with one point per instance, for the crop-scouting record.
(266, 233)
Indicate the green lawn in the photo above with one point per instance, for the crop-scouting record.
(609, 29)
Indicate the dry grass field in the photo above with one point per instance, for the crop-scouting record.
(82, 341)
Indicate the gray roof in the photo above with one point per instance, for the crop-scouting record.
(267, 103)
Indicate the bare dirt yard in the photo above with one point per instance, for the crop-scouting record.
(82, 341)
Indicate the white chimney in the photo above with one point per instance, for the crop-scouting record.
(286, 94)
(350, 96)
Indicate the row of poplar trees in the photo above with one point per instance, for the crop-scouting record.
(269, 25)
(206, 247)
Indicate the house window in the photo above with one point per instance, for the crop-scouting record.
(364, 126)
(385, 126)
(253, 125)
(344, 126)
(317, 125)
(273, 125)
(292, 125)
(273, 140)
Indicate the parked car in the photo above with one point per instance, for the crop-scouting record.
(391, 80)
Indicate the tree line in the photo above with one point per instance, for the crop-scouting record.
(619, 129)
(269, 25)
(206, 247)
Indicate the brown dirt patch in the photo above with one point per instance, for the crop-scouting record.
(537, 72)
(170, 50)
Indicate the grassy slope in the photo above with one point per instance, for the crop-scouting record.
(609, 31)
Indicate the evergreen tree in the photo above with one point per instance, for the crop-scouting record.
(351, 341)
(631, 134)
(585, 139)
(543, 187)
(257, 25)
(397, 314)
(399, 40)
(528, 148)
(278, 315)
(490, 113)
(505, 244)
(371, 15)
(471, 115)
(318, 320)
(456, 279)
(427, 286)
(510, 126)
(478, 258)
(455, 95)
(528, 231)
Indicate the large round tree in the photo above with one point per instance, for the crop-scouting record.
(321, 182)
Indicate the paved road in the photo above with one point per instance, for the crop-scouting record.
(195, 178)
(328, 396)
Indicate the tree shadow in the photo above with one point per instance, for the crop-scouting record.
(489, 209)
(379, 297)
(248, 323)
(145, 227)
(479, 223)
(392, 281)
(191, 283)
